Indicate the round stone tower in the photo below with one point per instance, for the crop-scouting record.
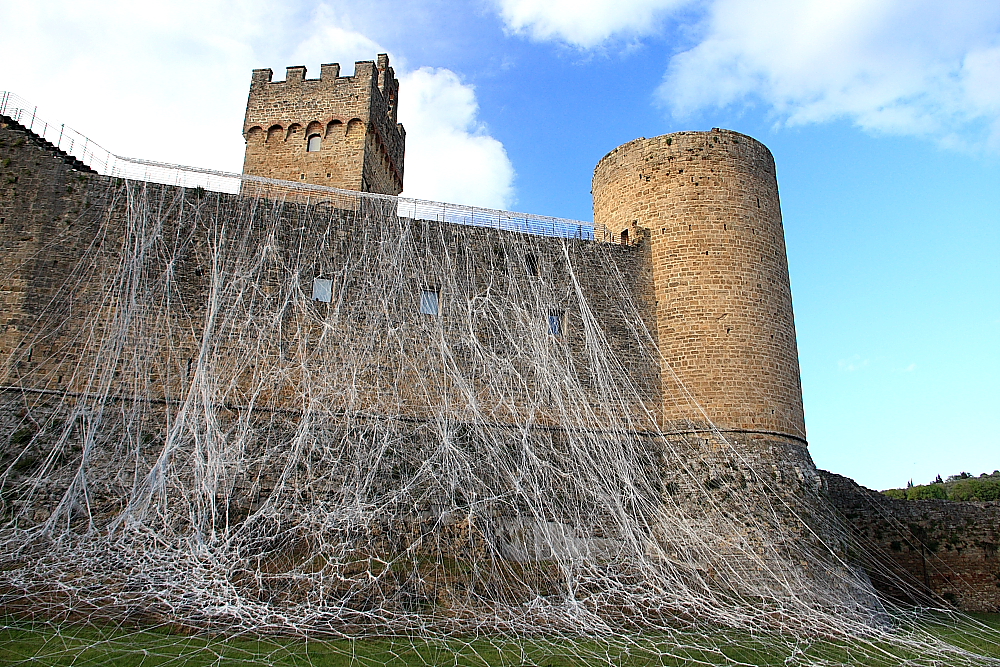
(707, 205)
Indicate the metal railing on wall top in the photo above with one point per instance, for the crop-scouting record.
(107, 163)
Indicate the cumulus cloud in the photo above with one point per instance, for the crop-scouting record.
(449, 154)
(900, 66)
(168, 81)
(153, 79)
(587, 23)
(330, 41)
(917, 67)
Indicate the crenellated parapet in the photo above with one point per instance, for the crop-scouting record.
(339, 131)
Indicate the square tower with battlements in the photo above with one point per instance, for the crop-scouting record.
(339, 131)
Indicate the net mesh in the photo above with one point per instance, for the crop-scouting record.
(194, 443)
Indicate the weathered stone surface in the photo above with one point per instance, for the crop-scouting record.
(924, 550)
(706, 203)
(361, 144)
(703, 264)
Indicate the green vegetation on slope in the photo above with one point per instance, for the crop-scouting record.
(957, 487)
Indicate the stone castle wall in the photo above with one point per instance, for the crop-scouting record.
(68, 242)
(46, 200)
(708, 204)
(64, 233)
(924, 551)
(71, 318)
(361, 142)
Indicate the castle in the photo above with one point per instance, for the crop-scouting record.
(700, 210)
(306, 347)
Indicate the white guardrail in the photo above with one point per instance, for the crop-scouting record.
(107, 163)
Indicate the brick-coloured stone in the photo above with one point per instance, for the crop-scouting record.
(924, 551)
(708, 204)
(362, 145)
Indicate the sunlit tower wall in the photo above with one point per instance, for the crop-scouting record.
(707, 204)
(339, 131)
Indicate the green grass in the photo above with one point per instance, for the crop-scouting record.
(24, 643)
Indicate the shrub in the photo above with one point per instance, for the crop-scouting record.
(980, 489)
(926, 492)
(898, 494)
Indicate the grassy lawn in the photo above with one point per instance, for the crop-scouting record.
(23, 643)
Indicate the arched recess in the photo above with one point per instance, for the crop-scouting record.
(335, 129)
(294, 132)
(314, 128)
(275, 133)
(355, 128)
(255, 135)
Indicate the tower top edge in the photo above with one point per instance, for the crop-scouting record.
(296, 74)
(686, 138)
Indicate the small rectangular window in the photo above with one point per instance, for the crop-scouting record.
(429, 302)
(557, 322)
(322, 289)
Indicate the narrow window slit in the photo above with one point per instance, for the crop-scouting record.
(430, 302)
(557, 322)
(322, 290)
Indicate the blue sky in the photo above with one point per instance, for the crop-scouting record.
(883, 117)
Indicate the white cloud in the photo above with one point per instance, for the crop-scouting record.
(449, 155)
(329, 40)
(159, 80)
(168, 81)
(584, 23)
(902, 66)
(917, 67)
(855, 363)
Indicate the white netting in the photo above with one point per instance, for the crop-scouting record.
(194, 443)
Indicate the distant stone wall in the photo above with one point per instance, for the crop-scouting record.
(924, 550)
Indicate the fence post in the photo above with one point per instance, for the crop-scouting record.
(32, 126)
(62, 128)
